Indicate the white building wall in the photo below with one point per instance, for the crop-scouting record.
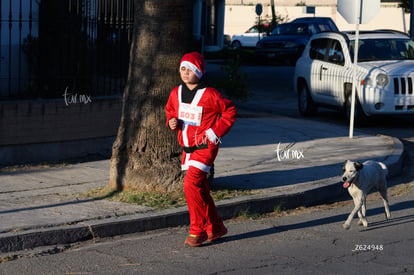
(292, 3)
(240, 17)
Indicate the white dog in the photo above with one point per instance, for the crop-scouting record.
(359, 178)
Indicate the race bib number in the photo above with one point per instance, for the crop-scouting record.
(190, 114)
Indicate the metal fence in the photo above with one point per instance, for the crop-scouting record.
(52, 47)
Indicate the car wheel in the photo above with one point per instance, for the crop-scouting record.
(236, 44)
(306, 105)
(360, 119)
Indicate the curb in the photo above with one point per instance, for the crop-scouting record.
(227, 209)
(303, 194)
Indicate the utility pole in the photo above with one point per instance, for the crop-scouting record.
(272, 5)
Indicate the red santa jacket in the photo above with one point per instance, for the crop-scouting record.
(208, 110)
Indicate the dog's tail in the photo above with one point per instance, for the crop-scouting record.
(384, 168)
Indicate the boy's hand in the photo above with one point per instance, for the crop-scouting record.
(173, 123)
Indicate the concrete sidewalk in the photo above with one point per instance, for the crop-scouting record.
(290, 162)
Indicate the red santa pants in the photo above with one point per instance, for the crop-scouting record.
(203, 213)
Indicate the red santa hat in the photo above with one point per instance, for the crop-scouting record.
(194, 62)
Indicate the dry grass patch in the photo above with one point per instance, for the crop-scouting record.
(157, 200)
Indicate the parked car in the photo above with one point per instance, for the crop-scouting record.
(384, 74)
(250, 37)
(287, 41)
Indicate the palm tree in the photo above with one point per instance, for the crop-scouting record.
(145, 154)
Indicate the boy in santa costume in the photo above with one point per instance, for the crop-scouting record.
(201, 115)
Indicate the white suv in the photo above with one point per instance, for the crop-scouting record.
(385, 73)
(250, 37)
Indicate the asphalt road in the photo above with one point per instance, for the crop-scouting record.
(301, 241)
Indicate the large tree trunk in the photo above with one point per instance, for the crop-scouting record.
(146, 155)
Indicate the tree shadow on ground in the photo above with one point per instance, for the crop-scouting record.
(332, 219)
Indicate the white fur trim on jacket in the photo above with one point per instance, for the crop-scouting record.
(195, 164)
(212, 136)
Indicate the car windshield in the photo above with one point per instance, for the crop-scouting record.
(383, 49)
(255, 29)
(291, 28)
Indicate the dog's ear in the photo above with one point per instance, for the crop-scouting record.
(358, 165)
(343, 166)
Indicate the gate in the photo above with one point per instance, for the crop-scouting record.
(49, 47)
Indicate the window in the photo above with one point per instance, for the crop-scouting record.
(384, 49)
(410, 49)
(326, 27)
(319, 48)
(335, 54)
(312, 29)
(253, 30)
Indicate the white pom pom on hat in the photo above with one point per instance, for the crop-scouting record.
(194, 62)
